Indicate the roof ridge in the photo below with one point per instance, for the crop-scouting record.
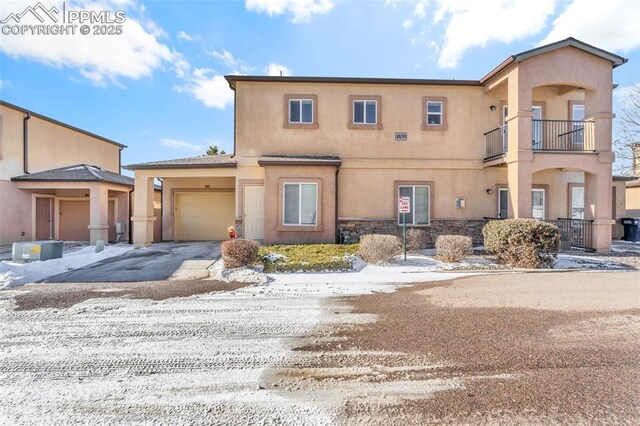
(93, 172)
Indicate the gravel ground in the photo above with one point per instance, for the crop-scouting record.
(553, 364)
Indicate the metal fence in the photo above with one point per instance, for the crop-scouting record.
(575, 234)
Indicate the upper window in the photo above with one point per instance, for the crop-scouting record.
(300, 111)
(365, 112)
(577, 202)
(435, 113)
(300, 204)
(420, 204)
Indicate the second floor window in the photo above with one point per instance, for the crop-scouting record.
(301, 111)
(435, 113)
(365, 112)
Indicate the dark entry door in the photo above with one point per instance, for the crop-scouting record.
(503, 203)
(44, 218)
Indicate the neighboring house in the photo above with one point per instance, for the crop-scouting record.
(59, 182)
(633, 186)
(320, 159)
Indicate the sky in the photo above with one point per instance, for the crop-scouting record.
(156, 83)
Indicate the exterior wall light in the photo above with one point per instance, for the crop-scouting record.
(492, 107)
(489, 191)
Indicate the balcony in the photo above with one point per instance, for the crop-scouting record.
(546, 136)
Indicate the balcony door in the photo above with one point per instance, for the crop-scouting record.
(505, 128)
(503, 203)
(577, 125)
(536, 127)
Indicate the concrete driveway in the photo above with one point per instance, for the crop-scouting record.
(161, 261)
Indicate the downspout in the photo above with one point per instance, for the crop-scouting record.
(25, 142)
(161, 206)
(336, 203)
(120, 161)
(130, 221)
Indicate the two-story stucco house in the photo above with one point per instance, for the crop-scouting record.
(59, 182)
(326, 159)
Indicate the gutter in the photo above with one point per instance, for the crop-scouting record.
(25, 142)
(161, 206)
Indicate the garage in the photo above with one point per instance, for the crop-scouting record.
(203, 216)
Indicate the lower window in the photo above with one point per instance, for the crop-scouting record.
(537, 204)
(300, 204)
(420, 202)
(577, 202)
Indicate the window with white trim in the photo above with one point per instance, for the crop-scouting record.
(420, 196)
(300, 201)
(301, 111)
(577, 202)
(537, 203)
(365, 112)
(435, 113)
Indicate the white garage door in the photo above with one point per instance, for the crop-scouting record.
(203, 216)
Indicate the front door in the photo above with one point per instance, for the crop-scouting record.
(254, 212)
(44, 218)
(503, 203)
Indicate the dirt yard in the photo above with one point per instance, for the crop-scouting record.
(490, 349)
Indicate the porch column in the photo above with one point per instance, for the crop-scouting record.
(143, 217)
(597, 203)
(519, 181)
(98, 213)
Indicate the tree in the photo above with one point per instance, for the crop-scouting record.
(213, 150)
(627, 144)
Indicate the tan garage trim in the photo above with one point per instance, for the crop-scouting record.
(202, 215)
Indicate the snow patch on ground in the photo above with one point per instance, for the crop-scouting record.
(568, 261)
(245, 274)
(17, 274)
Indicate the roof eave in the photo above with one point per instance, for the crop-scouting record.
(134, 167)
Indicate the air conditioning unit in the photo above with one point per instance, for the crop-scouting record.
(120, 228)
(36, 250)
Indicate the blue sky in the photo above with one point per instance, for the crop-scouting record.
(158, 86)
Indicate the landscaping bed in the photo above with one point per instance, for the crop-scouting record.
(308, 257)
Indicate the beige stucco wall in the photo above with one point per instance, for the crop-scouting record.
(633, 202)
(50, 146)
(274, 230)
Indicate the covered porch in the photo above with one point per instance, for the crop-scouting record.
(78, 203)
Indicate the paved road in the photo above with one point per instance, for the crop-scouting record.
(158, 262)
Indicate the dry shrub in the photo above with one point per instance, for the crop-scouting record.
(379, 248)
(417, 239)
(522, 243)
(453, 248)
(237, 253)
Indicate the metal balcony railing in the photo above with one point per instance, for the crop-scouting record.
(496, 142)
(562, 135)
(546, 135)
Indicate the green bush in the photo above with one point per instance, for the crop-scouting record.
(453, 248)
(522, 243)
(237, 253)
(378, 248)
(307, 257)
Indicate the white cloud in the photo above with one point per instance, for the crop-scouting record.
(134, 54)
(3, 83)
(611, 25)
(302, 10)
(208, 87)
(186, 36)
(407, 23)
(225, 57)
(277, 69)
(177, 144)
(419, 12)
(470, 23)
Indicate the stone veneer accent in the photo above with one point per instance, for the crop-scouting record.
(352, 229)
